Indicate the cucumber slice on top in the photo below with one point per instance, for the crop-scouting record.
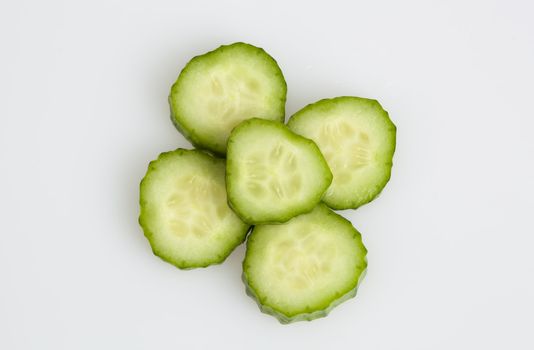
(302, 269)
(273, 174)
(218, 90)
(357, 139)
(184, 211)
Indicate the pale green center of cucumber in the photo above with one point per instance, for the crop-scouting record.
(274, 175)
(226, 96)
(346, 148)
(301, 261)
(195, 206)
(234, 97)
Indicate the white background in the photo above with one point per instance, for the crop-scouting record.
(83, 88)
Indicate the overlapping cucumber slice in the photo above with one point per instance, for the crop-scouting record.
(273, 174)
(302, 269)
(357, 138)
(218, 90)
(184, 210)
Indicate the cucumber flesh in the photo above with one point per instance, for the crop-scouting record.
(184, 210)
(357, 139)
(218, 90)
(273, 174)
(302, 269)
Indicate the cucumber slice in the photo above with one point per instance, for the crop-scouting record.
(184, 211)
(273, 174)
(302, 269)
(218, 90)
(357, 139)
